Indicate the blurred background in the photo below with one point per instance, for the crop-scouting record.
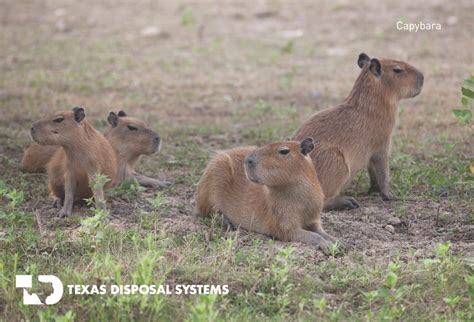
(182, 62)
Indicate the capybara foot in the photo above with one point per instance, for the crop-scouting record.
(341, 203)
(57, 203)
(63, 213)
(327, 247)
(164, 184)
(151, 182)
(373, 189)
(226, 224)
(387, 196)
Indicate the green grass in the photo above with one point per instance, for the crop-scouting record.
(266, 282)
(208, 87)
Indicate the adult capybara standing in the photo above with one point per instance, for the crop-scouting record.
(272, 190)
(84, 152)
(357, 134)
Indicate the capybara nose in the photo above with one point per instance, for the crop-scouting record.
(33, 130)
(250, 161)
(420, 78)
(157, 139)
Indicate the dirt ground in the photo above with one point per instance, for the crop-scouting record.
(212, 75)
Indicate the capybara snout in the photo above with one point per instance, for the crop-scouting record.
(419, 82)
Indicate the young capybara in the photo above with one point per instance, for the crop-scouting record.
(131, 138)
(84, 153)
(272, 190)
(357, 134)
(36, 157)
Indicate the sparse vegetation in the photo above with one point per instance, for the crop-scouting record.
(222, 79)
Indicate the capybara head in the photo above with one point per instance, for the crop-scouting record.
(396, 79)
(130, 136)
(279, 163)
(60, 128)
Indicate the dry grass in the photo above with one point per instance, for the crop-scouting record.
(219, 75)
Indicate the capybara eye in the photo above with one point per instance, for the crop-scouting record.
(58, 119)
(284, 151)
(397, 70)
(132, 128)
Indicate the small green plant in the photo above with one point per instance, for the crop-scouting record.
(204, 310)
(157, 201)
(187, 17)
(452, 301)
(288, 48)
(336, 249)
(441, 249)
(321, 304)
(127, 189)
(464, 115)
(12, 214)
(15, 198)
(97, 184)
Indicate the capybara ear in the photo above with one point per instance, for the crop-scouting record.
(112, 119)
(122, 114)
(375, 67)
(363, 60)
(307, 145)
(79, 113)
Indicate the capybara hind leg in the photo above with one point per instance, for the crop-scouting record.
(203, 206)
(341, 203)
(309, 237)
(57, 202)
(227, 225)
(202, 209)
(150, 182)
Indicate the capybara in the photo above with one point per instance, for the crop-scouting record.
(272, 190)
(357, 134)
(36, 157)
(84, 153)
(131, 138)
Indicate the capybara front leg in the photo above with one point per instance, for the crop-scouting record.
(69, 191)
(380, 168)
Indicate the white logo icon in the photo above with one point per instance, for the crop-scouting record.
(25, 282)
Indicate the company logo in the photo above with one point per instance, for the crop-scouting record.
(26, 281)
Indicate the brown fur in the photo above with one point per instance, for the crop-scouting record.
(131, 138)
(36, 157)
(84, 152)
(357, 134)
(128, 145)
(273, 194)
